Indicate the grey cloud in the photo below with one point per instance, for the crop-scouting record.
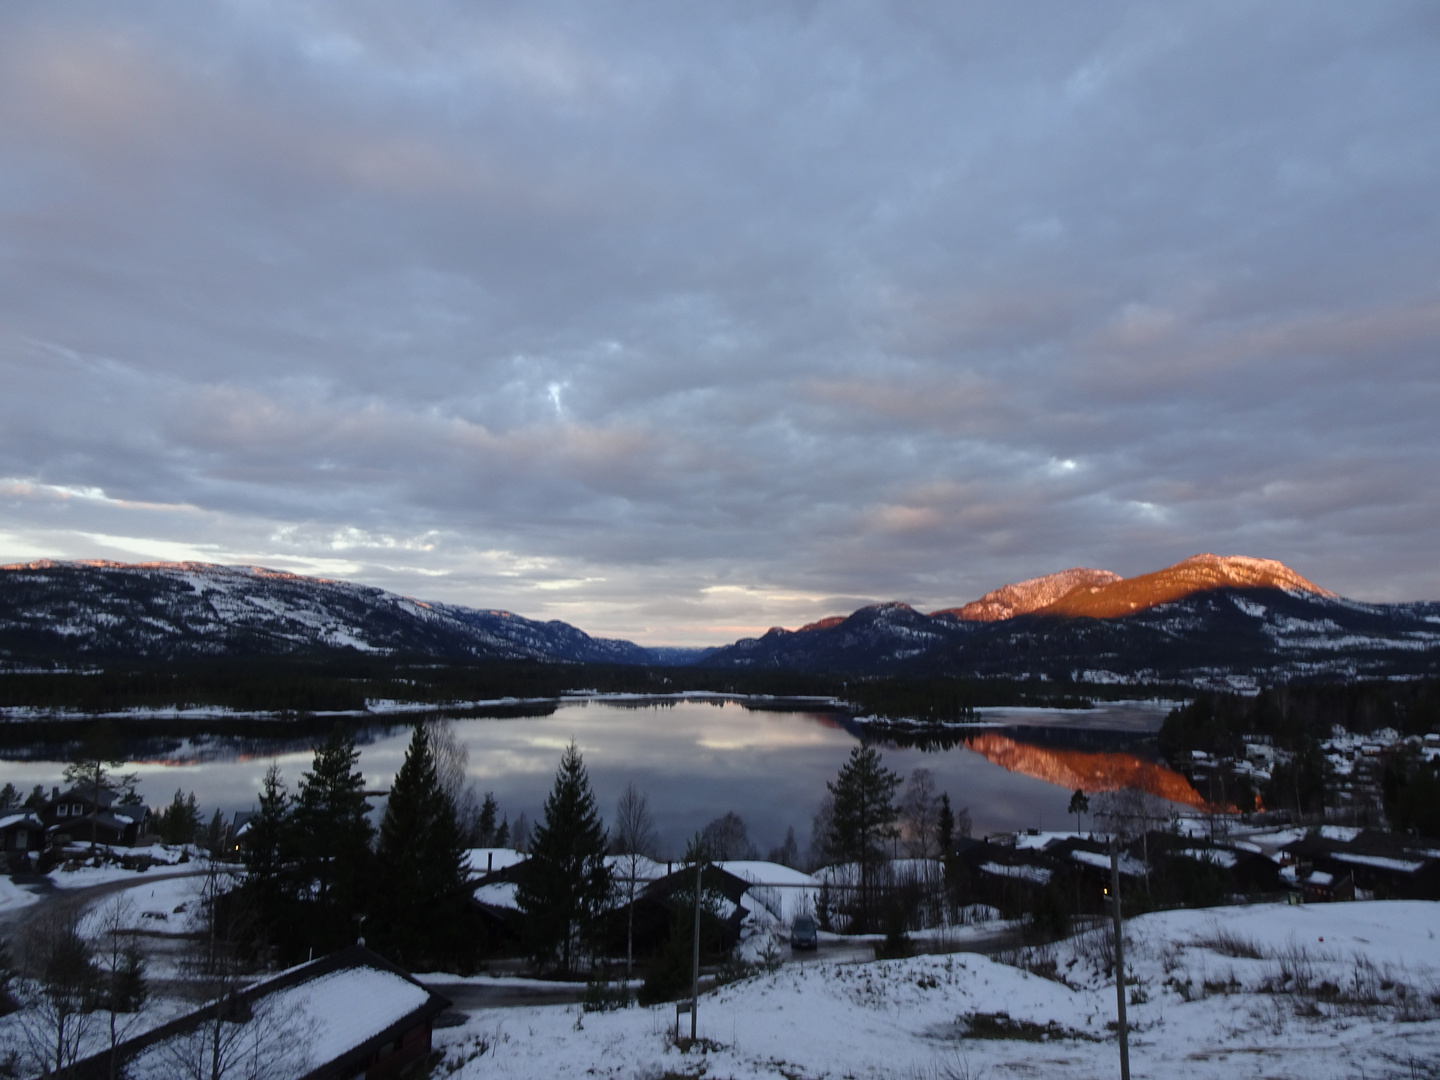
(672, 321)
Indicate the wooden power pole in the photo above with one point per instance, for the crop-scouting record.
(1121, 1028)
(695, 968)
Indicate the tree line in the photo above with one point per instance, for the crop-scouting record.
(1297, 718)
(306, 684)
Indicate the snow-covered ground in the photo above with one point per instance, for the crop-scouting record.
(1321, 991)
(166, 862)
(12, 896)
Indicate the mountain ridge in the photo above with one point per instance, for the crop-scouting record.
(98, 608)
(1207, 620)
(1023, 597)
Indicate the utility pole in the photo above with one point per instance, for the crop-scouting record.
(695, 969)
(1121, 1029)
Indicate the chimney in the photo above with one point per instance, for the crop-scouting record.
(55, 794)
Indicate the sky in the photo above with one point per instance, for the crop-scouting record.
(679, 321)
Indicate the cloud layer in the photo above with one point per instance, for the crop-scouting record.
(680, 321)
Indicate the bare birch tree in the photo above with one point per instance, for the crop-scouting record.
(59, 989)
(634, 840)
(120, 969)
(919, 815)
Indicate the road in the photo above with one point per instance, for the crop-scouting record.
(499, 994)
(50, 895)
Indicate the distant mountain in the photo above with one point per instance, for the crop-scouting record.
(1199, 573)
(65, 611)
(881, 637)
(1208, 620)
(1024, 597)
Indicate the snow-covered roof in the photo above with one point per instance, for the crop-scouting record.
(483, 859)
(1028, 841)
(501, 894)
(769, 873)
(645, 869)
(1218, 856)
(1379, 862)
(326, 1017)
(1129, 865)
(16, 819)
(1038, 874)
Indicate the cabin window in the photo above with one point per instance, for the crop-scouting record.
(22, 840)
(63, 810)
(77, 809)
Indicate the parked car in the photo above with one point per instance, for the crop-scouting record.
(803, 933)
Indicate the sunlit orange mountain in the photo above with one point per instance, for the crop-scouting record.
(822, 624)
(1087, 771)
(1198, 573)
(1023, 597)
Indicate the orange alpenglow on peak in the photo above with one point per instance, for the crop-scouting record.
(1199, 573)
(1024, 597)
(822, 624)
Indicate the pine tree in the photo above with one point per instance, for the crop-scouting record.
(180, 819)
(332, 833)
(564, 886)
(266, 849)
(863, 816)
(945, 826)
(422, 871)
(485, 825)
(1079, 804)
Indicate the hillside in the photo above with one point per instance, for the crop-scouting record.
(1023, 597)
(1199, 573)
(1207, 621)
(51, 611)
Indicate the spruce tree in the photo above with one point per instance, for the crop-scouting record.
(565, 885)
(863, 817)
(421, 866)
(332, 834)
(945, 826)
(266, 849)
(485, 826)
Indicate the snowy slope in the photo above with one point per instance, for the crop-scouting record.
(1364, 1009)
(163, 610)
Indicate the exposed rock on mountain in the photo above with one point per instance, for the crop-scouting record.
(1023, 597)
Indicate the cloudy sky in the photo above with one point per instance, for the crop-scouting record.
(677, 321)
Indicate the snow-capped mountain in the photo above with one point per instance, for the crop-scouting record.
(1209, 620)
(54, 610)
(1023, 597)
(1199, 573)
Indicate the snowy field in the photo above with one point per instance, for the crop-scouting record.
(1341, 990)
(13, 897)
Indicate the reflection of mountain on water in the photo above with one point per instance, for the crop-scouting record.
(1088, 771)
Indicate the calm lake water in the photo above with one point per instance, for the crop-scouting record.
(695, 760)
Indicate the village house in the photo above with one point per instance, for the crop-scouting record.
(21, 834)
(81, 814)
(348, 1015)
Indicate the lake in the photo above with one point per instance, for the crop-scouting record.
(695, 759)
